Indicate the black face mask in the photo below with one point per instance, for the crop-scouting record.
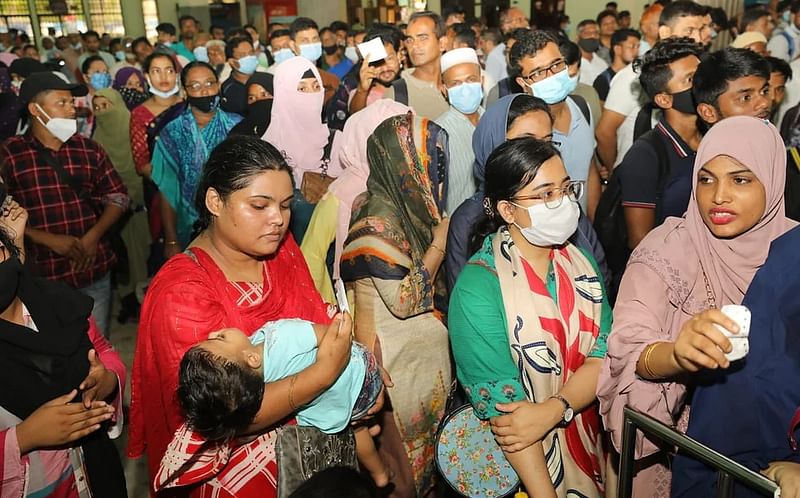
(206, 104)
(260, 110)
(589, 44)
(331, 50)
(10, 271)
(684, 102)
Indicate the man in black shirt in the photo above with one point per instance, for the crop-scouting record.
(666, 74)
(624, 50)
(243, 61)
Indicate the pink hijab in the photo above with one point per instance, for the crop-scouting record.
(296, 128)
(729, 264)
(353, 159)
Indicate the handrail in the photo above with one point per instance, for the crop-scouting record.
(728, 470)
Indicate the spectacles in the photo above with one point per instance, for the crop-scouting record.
(197, 86)
(554, 196)
(554, 68)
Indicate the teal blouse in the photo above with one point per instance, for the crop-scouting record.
(479, 333)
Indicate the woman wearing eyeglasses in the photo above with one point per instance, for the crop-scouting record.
(529, 321)
(182, 148)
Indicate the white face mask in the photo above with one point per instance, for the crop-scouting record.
(61, 128)
(351, 53)
(551, 227)
(158, 93)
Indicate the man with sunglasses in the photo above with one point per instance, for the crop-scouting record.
(541, 70)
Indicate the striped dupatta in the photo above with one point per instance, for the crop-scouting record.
(549, 341)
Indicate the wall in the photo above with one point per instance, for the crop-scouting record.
(132, 18)
(323, 12)
(578, 10)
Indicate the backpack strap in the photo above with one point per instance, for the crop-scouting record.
(790, 42)
(583, 106)
(796, 156)
(654, 140)
(504, 87)
(401, 91)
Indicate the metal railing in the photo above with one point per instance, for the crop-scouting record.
(728, 471)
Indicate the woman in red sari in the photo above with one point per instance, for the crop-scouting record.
(241, 271)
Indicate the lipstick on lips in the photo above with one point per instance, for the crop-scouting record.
(721, 216)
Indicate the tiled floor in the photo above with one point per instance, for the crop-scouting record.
(124, 339)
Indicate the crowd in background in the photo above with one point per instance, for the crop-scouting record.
(328, 234)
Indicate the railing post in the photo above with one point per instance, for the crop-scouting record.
(724, 485)
(627, 458)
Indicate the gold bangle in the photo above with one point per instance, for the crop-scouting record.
(646, 360)
(438, 248)
(291, 392)
(171, 243)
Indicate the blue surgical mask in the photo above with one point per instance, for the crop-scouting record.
(466, 97)
(100, 80)
(787, 16)
(120, 55)
(553, 89)
(248, 64)
(311, 51)
(201, 54)
(283, 54)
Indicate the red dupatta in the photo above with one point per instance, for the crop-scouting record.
(189, 298)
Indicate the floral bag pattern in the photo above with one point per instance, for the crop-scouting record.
(469, 459)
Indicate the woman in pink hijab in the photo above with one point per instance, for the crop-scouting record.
(331, 218)
(683, 272)
(297, 130)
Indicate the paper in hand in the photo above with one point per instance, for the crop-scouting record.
(341, 296)
(372, 50)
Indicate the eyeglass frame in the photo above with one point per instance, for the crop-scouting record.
(205, 85)
(546, 72)
(578, 185)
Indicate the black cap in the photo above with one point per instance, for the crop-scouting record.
(26, 66)
(40, 82)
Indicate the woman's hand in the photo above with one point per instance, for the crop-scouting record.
(439, 233)
(787, 476)
(59, 422)
(700, 344)
(379, 401)
(14, 218)
(99, 384)
(333, 353)
(526, 423)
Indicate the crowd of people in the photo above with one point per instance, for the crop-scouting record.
(328, 235)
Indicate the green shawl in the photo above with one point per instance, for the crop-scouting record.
(112, 132)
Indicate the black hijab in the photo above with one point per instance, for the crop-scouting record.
(40, 366)
(259, 114)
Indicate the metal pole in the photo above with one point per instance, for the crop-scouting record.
(724, 485)
(700, 452)
(627, 458)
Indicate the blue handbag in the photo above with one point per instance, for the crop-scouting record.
(470, 460)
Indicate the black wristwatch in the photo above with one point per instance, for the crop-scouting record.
(568, 414)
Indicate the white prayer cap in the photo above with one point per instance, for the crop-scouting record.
(459, 56)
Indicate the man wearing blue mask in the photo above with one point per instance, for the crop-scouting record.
(540, 69)
(243, 61)
(462, 86)
(306, 42)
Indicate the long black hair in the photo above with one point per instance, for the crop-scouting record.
(230, 167)
(510, 167)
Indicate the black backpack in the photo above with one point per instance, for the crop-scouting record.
(609, 218)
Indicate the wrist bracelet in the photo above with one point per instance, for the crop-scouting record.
(171, 243)
(646, 360)
(291, 392)
(438, 248)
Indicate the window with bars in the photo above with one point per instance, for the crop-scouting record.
(150, 13)
(64, 16)
(106, 16)
(14, 14)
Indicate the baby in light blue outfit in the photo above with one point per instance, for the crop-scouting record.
(221, 384)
